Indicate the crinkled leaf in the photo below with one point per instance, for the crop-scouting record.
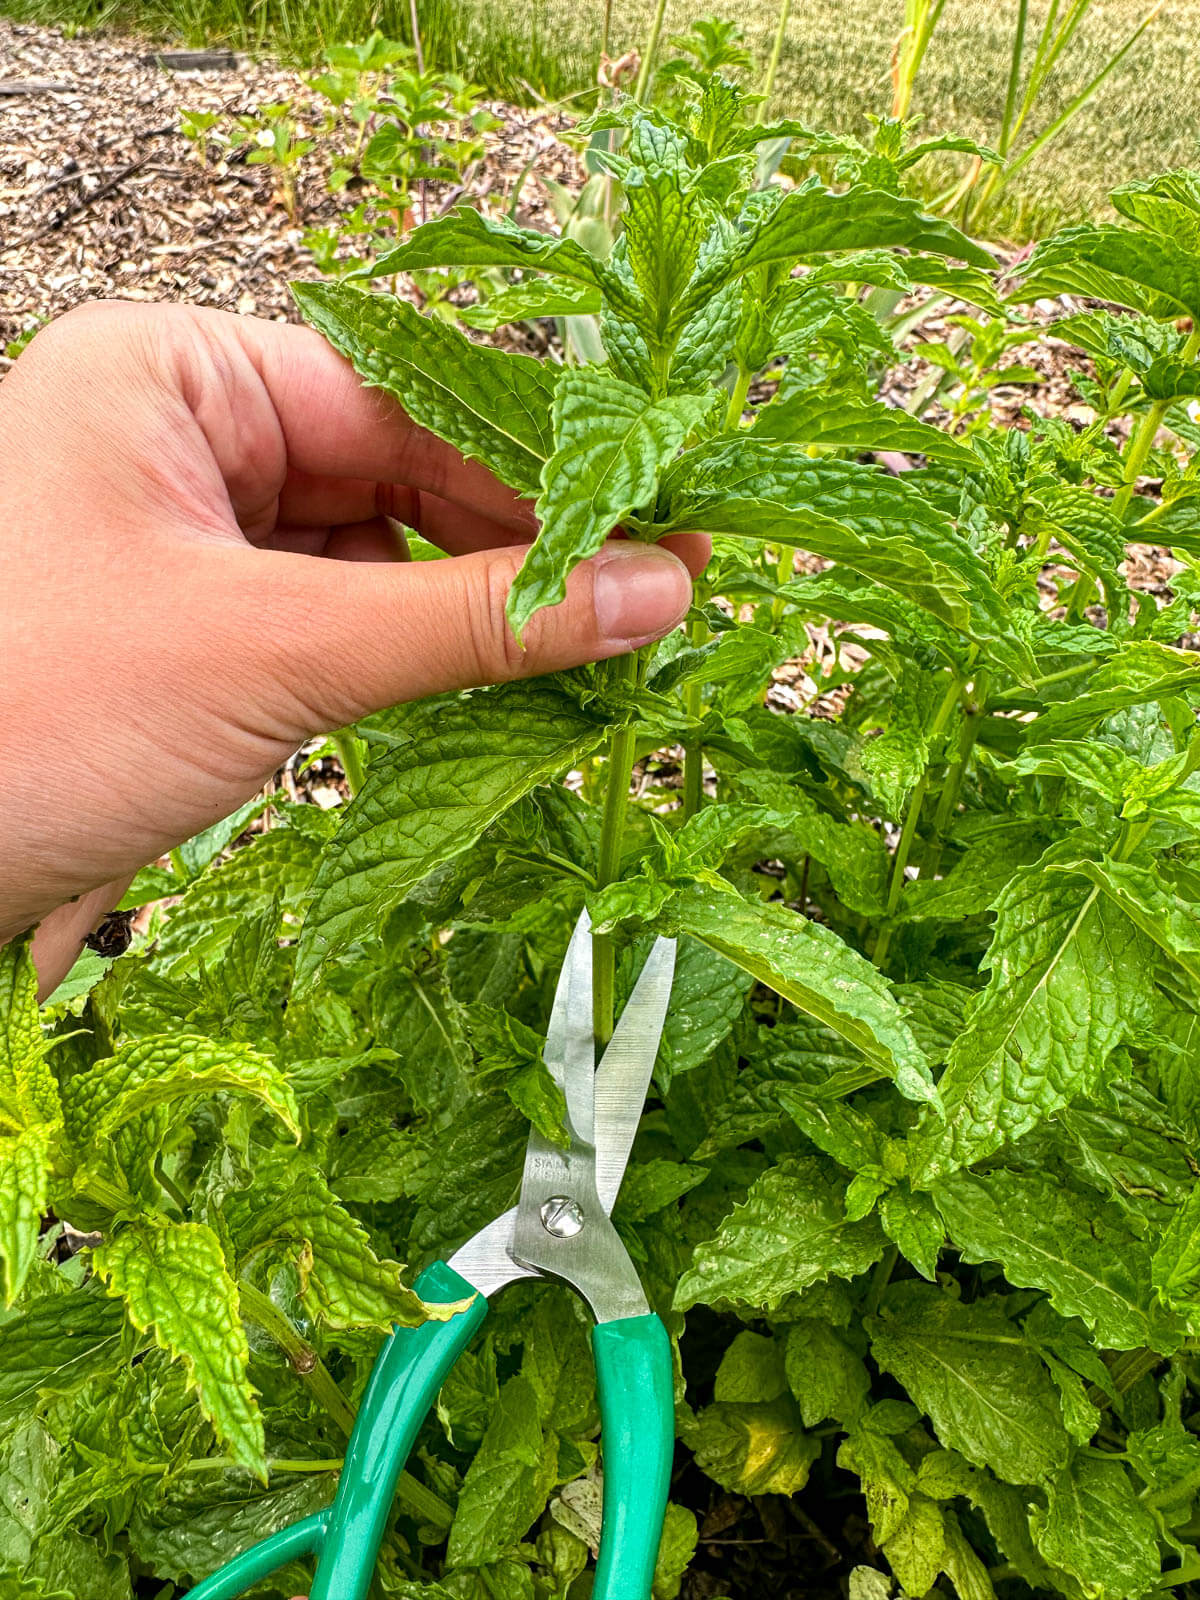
(1147, 271)
(173, 1279)
(611, 442)
(811, 416)
(754, 1449)
(28, 1092)
(162, 1070)
(1065, 987)
(1176, 1265)
(526, 301)
(1095, 1528)
(810, 966)
(1046, 1236)
(488, 403)
(466, 238)
(58, 1345)
(24, 1186)
(970, 1368)
(791, 1231)
(507, 1483)
(464, 761)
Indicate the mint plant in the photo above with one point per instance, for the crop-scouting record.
(917, 1191)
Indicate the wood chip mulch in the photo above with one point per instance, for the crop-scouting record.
(101, 195)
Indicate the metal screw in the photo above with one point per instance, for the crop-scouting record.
(562, 1217)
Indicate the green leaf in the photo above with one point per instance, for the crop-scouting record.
(465, 760)
(981, 1383)
(24, 1187)
(810, 416)
(754, 1449)
(507, 1483)
(527, 301)
(57, 1346)
(466, 238)
(1146, 271)
(912, 1223)
(810, 966)
(1158, 914)
(173, 1279)
(1140, 672)
(812, 221)
(751, 1370)
(611, 442)
(1095, 1528)
(1046, 1236)
(1065, 987)
(163, 1070)
(790, 1232)
(707, 996)
(664, 227)
(1176, 1265)
(28, 1092)
(826, 1376)
(293, 1217)
(489, 404)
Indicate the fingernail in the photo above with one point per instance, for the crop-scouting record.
(639, 592)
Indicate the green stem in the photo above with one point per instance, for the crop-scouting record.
(626, 669)
(1143, 436)
(693, 754)
(171, 1188)
(968, 733)
(157, 1469)
(303, 1359)
(642, 86)
(880, 1279)
(349, 753)
(768, 83)
(911, 818)
(737, 400)
(179, 865)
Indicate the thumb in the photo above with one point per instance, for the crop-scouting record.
(406, 630)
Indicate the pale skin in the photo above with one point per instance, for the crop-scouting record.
(198, 572)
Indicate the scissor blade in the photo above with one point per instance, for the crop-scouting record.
(623, 1076)
(570, 1050)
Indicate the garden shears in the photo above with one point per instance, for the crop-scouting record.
(560, 1228)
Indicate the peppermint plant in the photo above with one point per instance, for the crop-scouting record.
(918, 790)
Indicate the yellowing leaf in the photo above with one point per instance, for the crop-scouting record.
(176, 1286)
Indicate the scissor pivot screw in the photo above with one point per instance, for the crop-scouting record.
(562, 1217)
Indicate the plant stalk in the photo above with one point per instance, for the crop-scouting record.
(349, 753)
(641, 88)
(625, 669)
(316, 1376)
(693, 754)
(768, 83)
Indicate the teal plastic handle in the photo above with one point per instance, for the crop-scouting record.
(404, 1383)
(408, 1372)
(264, 1558)
(637, 1441)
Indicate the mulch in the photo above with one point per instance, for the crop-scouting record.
(101, 196)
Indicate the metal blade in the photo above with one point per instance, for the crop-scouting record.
(485, 1259)
(570, 1051)
(623, 1076)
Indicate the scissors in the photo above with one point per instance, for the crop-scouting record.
(560, 1228)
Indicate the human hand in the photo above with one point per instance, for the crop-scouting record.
(168, 477)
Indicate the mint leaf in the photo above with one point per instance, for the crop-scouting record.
(790, 1232)
(1095, 1528)
(814, 969)
(467, 759)
(490, 405)
(969, 1367)
(24, 1190)
(507, 1483)
(1065, 987)
(28, 1091)
(173, 1279)
(611, 442)
(1047, 1236)
(1151, 272)
(812, 417)
(466, 238)
(163, 1070)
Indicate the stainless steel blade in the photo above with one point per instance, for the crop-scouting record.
(570, 1052)
(623, 1076)
(485, 1260)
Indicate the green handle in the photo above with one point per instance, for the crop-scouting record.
(637, 1440)
(409, 1371)
(263, 1558)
